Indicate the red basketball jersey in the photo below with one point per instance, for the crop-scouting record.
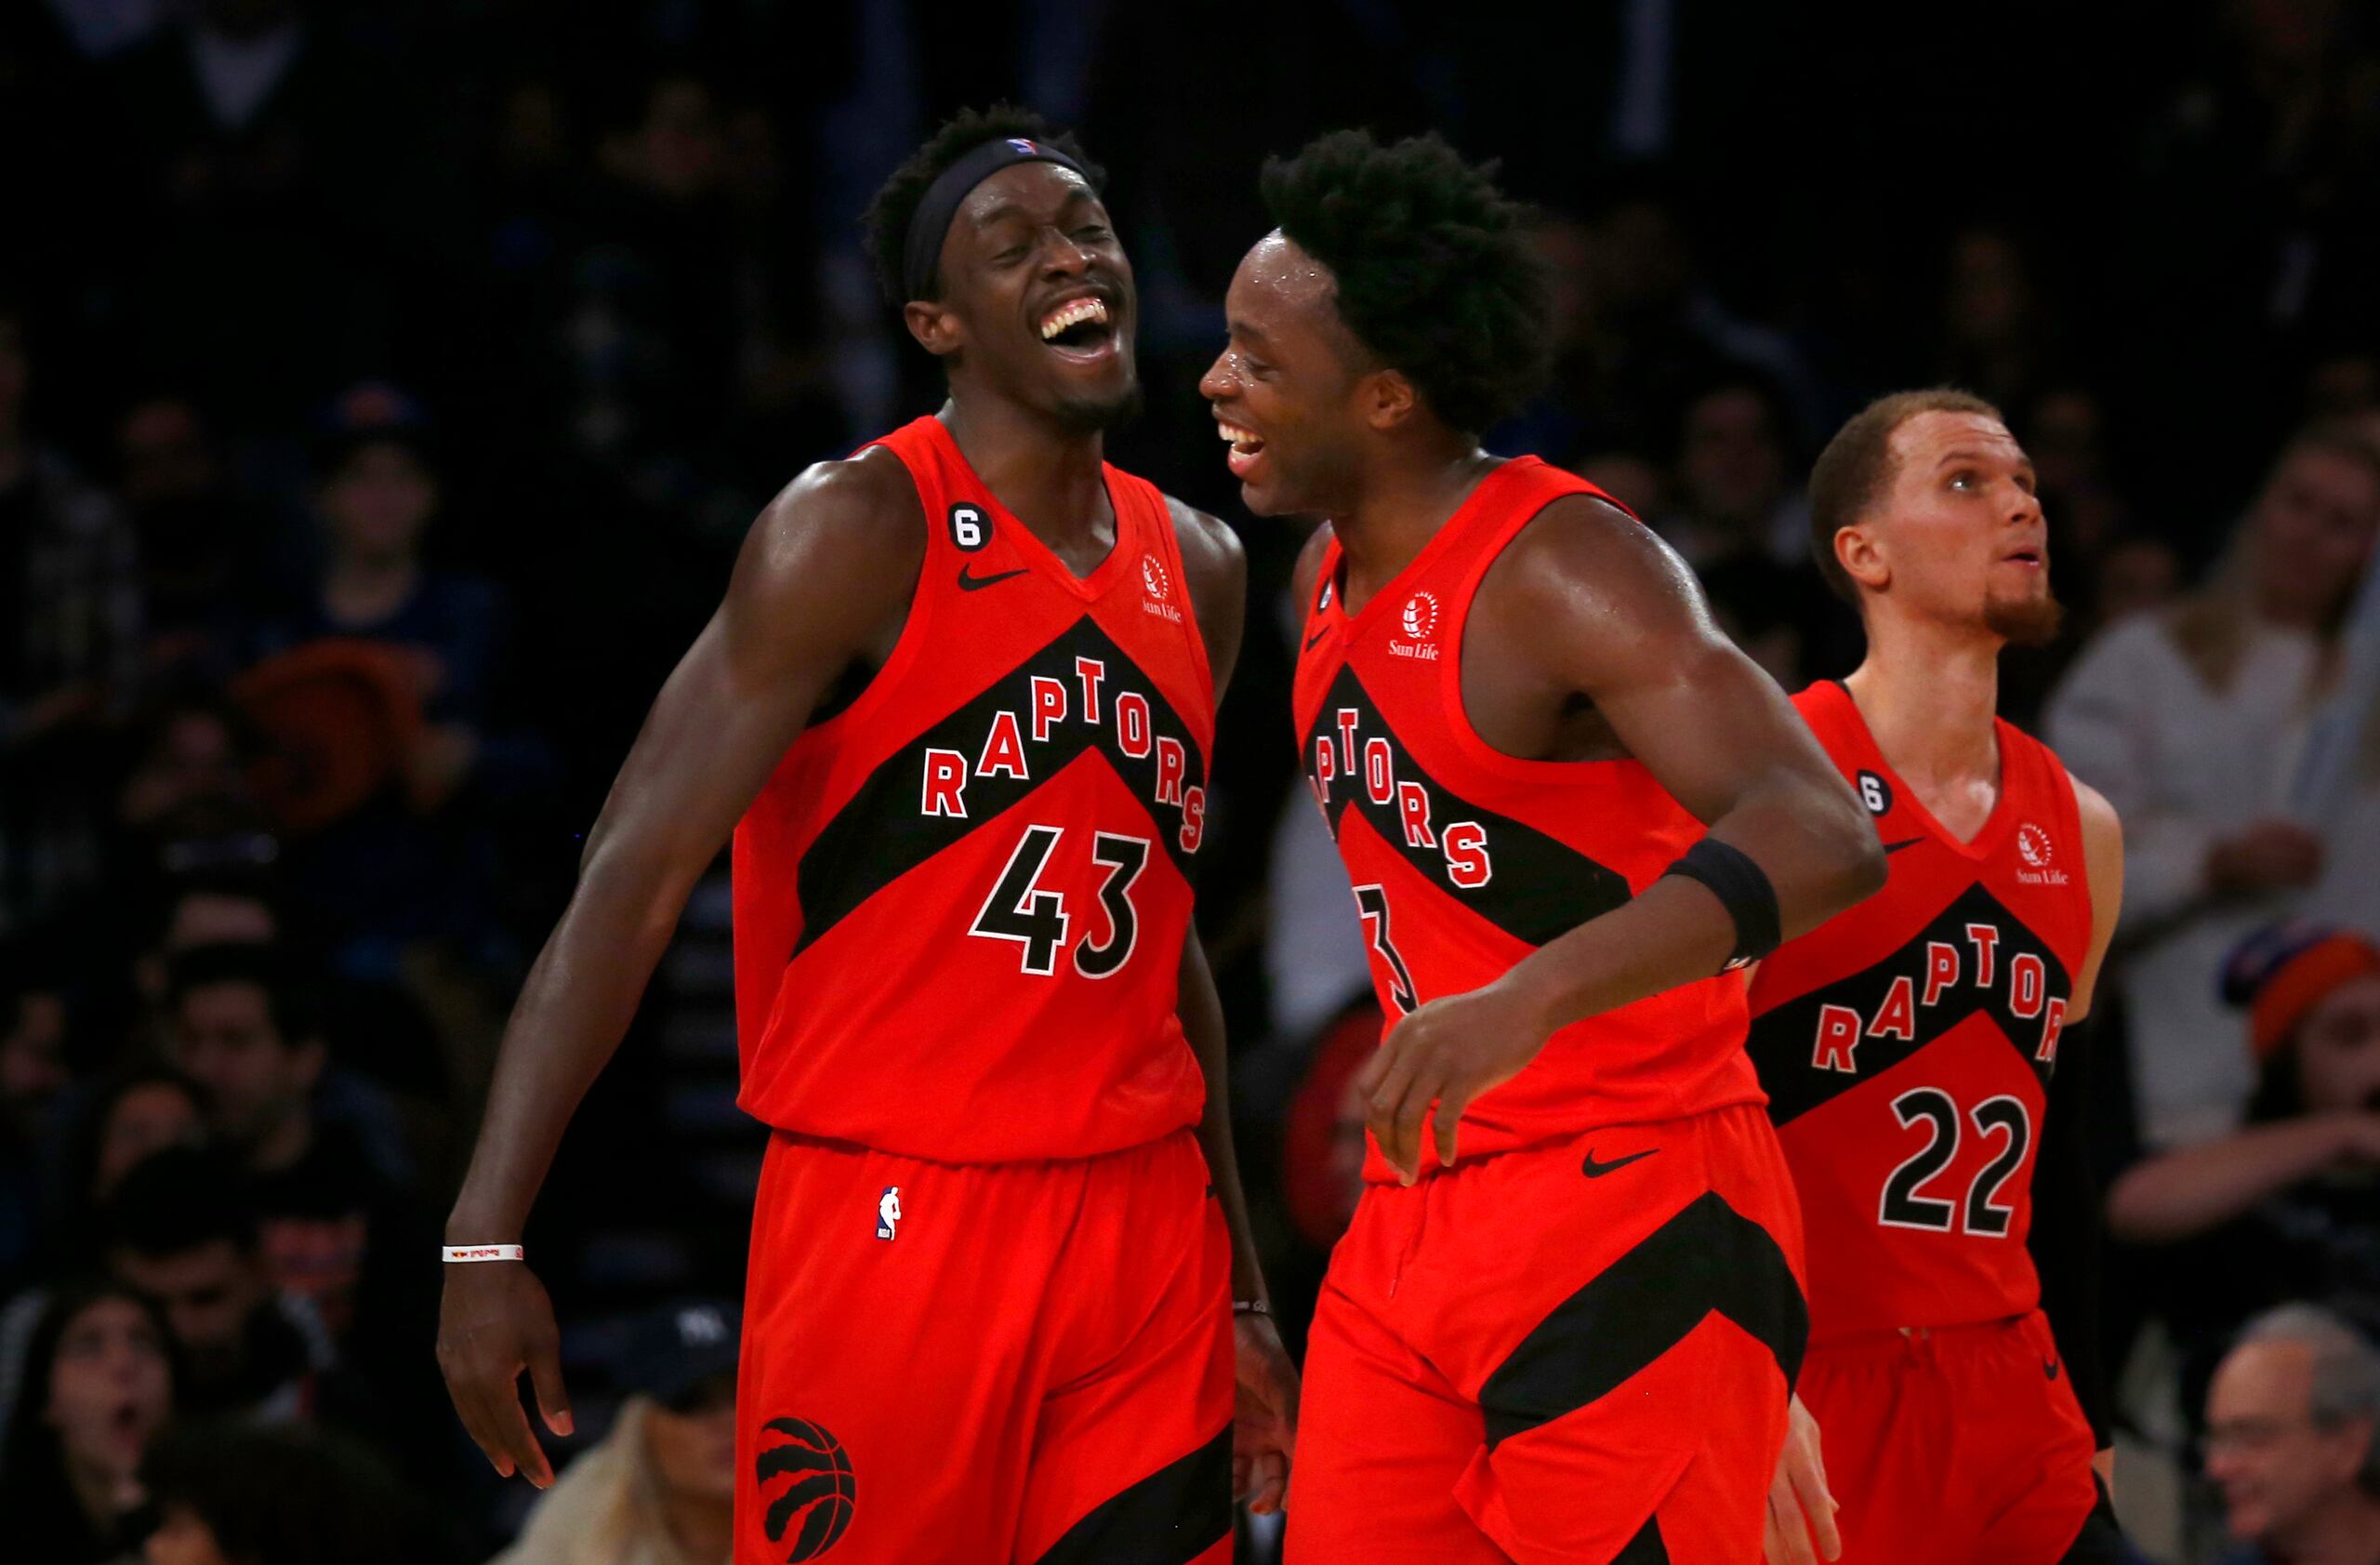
(1465, 859)
(1907, 1044)
(960, 902)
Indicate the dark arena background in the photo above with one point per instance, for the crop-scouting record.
(385, 389)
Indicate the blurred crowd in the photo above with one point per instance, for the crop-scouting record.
(384, 389)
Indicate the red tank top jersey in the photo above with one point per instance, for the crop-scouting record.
(960, 902)
(1907, 1044)
(1465, 859)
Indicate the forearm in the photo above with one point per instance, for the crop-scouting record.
(1818, 854)
(1202, 1024)
(2184, 1193)
(578, 1003)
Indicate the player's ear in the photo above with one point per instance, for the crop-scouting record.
(1387, 399)
(934, 325)
(1861, 556)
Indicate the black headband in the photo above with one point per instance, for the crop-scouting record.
(921, 251)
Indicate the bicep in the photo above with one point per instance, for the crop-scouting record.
(808, 593)
(1634, 636)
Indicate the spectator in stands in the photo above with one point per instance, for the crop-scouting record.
(1739, 519)
(32, 1073)
(193, 534)
(2187, 720)
(70, 631)
(184, 805)
(2294, 1438)
(395, 862)
(246, 1027)
(234, 1494)
(97, 1385)
(130, 1117)
(179, 1230)
(2282, 1207)
(660, 1488)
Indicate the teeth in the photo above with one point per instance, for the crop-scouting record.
(1073, 314)
(1237, 435)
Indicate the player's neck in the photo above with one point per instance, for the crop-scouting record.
(1399, 509)
(1929, 696)
(1050, 479)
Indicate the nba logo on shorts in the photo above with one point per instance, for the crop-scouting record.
(888, 1211)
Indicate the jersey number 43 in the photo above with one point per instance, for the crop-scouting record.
(1038, 921)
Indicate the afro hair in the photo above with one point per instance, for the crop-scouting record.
(1434, 268)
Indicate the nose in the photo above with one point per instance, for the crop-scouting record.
(1064, 258)
(1216, 384)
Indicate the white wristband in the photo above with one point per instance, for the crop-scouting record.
(481, 1252)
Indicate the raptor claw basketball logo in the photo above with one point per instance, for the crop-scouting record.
(822, 1496)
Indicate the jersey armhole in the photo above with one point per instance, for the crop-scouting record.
(1476, 749)
(1159, 510)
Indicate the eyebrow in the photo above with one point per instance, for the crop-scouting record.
(1247, 330)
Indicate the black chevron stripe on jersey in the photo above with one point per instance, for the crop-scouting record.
(1709, 1257)
(881, 834)
(1784, 1041)
(1541, 888)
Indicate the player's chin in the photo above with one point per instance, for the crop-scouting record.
(2026, 617)
(1095, 405)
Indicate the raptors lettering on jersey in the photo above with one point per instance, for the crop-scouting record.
(1465, 860)
(1907, 1044)
(1015, 802)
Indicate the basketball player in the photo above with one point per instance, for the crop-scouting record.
(960, 694)
(1565, 1320)
(1908, 1045)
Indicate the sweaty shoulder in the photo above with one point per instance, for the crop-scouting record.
(855, 527)
(1589, 568)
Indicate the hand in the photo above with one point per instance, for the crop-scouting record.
(439, 763)
(494, 1321)
(2270, 855)
(1800, 1529)
(1447, 1053)
(1264, 1425)
(2104, 1464)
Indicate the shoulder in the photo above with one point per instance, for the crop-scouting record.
(2102, 829)
(2141, 645)
(1211, 551)
(861, 515)
(1309, 567)
(1582, 555)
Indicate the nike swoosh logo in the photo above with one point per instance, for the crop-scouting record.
(1311, 642)
(972, 583)
(1595, 1170)
(2049, 1368)
(1895, 847)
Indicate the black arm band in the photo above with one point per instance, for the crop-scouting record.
(1743, 887)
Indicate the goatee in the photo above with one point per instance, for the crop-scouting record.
(2026, 622)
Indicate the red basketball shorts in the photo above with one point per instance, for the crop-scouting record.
(985, 1365)
(1957, 1445)
(1576, 1353)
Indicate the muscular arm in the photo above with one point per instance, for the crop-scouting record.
(830, 563)
(1265, 1422)
(1587, 601)
(1612, 614)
